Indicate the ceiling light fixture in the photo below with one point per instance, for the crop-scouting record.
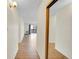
(12, 4)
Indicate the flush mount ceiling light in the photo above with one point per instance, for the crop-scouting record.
(12, 4)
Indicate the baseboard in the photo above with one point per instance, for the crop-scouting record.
(15, 53)
(61, 53)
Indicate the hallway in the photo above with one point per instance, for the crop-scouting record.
(27, 48)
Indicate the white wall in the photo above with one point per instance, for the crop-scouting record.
(52, 29)
(64, 30)
(15, 31)
(12, 34)
(21, 29)
(41, 32)
(41, 29)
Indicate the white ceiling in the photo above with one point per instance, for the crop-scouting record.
(27, 9)
(56, 7)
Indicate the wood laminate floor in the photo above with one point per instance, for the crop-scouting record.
(53, 53)
(27, 48)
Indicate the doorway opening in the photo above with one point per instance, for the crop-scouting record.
(30, 29)
(50, 51)
(47, 27)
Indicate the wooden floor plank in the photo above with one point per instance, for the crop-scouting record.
(53, 53)
(27, 49)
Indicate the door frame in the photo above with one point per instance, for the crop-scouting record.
(47, 27)
(29, 28)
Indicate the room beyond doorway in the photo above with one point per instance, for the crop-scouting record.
(31, 28)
